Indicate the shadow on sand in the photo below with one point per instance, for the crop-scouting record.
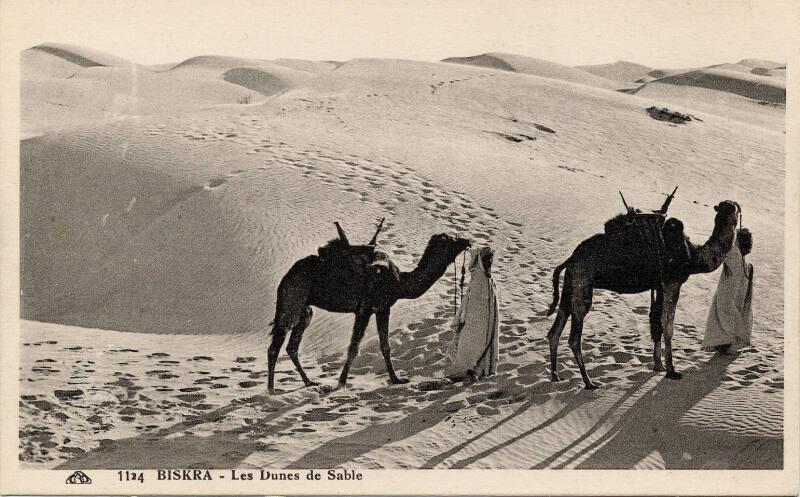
(653, 424)
(227, 449)
(223, 449)
(543, 388)
(344, 449)
(650, 424)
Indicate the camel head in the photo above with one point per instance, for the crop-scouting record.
(727, 217)
(727, 212)
(447, 246)
(710, 255)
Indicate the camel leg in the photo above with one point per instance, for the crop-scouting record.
(278, 336)
(294, 345)
(382, 320)
(290, 310)
(359, 327)
(656, 330)
(552, 337)
(671, 293)
(581, 303)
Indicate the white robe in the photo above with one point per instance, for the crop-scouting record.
(730, 320)
(475, 347)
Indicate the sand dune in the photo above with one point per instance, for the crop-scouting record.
(724, 104)
(265, 77)
(778, 73)
(769, 69)
(665, 73)
(180, 222)
(536, 67)
(37, 64)
(161, 67)
(734, 67)
(58, 93)
(308, 65)
(97, 94)
(266, 80)
(82, 56)
(767, 64)
(619, 71)
(742, 91)
(217, 63)
(256, 79)
(761, 88)
(136, 224)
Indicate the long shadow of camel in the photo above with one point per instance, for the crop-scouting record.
(344, 449)
(227, 449)
(652, 424)
(539, 389)
(341, 450)
(224, 449)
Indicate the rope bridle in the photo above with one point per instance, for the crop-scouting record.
(456, 293)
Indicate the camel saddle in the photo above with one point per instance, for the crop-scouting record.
(646, 224)
(664, 239)
(360, 259)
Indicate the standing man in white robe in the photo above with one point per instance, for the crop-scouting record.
(473, 353)
(730, 320)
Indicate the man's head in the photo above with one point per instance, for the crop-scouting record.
(745, 240)
(487, 257)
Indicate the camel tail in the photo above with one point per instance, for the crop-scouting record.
(556, 275)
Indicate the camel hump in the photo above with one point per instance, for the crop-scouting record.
(635, 222)
(645, 230)
(355, 258)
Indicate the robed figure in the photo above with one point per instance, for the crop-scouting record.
(730, 320)
(473, 352)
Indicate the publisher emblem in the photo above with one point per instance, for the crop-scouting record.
(78, 478)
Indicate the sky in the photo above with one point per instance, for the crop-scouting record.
(657, 33)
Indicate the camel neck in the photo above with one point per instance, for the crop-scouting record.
(710, 255)
(431, 267)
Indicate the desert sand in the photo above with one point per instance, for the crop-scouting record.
(161, 205)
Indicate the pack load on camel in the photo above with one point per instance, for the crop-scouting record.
(657, 237)
(356, 258)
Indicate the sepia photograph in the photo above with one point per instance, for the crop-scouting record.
(323, 242)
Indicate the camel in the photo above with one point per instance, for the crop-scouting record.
(352, 279)
(624, 263)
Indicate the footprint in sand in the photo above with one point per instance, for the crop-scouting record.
(191, 397)
(156, 372)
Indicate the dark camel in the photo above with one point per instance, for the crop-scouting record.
(352, 278)
(622, 262)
